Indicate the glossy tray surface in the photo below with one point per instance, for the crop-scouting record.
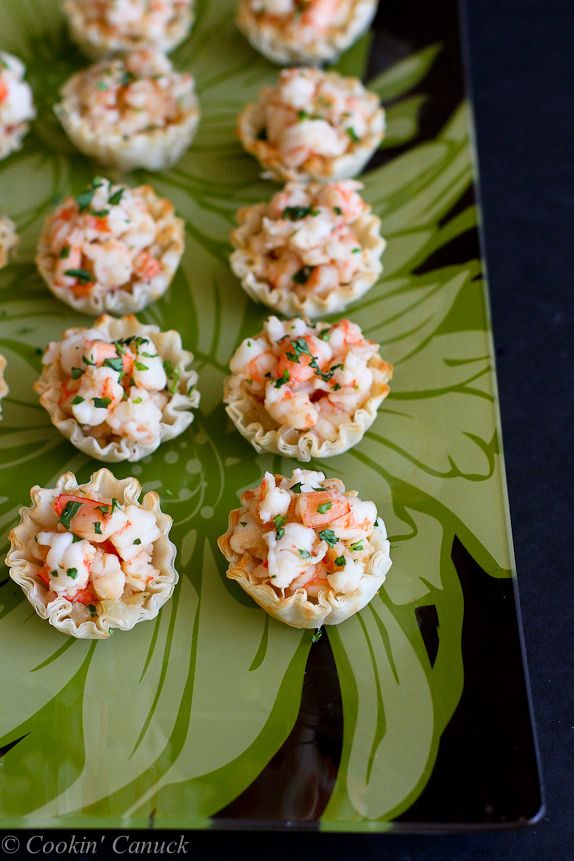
(412, 714)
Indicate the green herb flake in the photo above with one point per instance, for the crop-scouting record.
(54, 573)
(304, 553)
(284, 378)
(84, 198)
(116, 505)
(296, 488)
(78, 399)
(139, 366)
(115, 364)
(97, 527)
(356, 547)
(80, 275)
(75, 538)
(295, 213)
(337, 210)
(340, 561)
(102, 86)
(70, 510)
(65, 252)
(127, 78)
(280, 533)
(137, 541)
(116, 197)
(72, 572)
(325, 334)
(87, 361)
(302, 275)
(322, 509)
(92, 610)
(356, 250)
(353, 134)
(329, 536)
(100, 213)
(101, 403)
(137, 400)
(317, 634)
(77, 373)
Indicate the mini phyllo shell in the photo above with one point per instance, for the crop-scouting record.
(309, 32)
(120, 389)
(91, 557)
(3, 385)
(16, 104)
(312, 125)
(304, 390)
(131, 112)
(104, 27)
(307, 550)
(8, 239)
(311, 250)
(111, 248)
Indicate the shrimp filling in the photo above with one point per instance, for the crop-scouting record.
(109, 237)
(314, 114)
(96, 550)
(8, 239)
(306, 532)
(137, 94)
(301, 22)
(16, 105)
(303, 241)
(134, 20)
(308, 378)
(114, 389)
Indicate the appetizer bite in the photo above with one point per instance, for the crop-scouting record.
(111, 248)
(16, 104)
(131, 112)
(8, 239)
(120, 389)
(311, 250)
(312, 125)
(303, 31)
(103, 27)
(91, 557)
(304, 390)
(3, 386)
(305, 549)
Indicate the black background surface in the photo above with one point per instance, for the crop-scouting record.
(522, 76)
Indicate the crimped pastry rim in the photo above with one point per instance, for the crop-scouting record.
(324, 50)
(367, 228)
(97, 49)
(118, 615)
(296, 610)
(142, 293)
(272, 440)
(155, 150)
(177, 412)
(345, 166)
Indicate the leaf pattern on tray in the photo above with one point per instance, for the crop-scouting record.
(181, 714)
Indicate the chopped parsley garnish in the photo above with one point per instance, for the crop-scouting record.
(340, 561)
(75, 538)
(105, 509)
(150, 355)
(173, 375)
(278, 522)
(352, 134)
(80, 274)
(139, 366)
(101, 403)
(295, 213)
(54, 573)
(304, 553)
(329, 536)
(77, 400)
(116, 197)
(357, 546)
(115, 364)
(87, 361)
(322, 509)
(356, 250)
(92, 610)
(302, 115)
(137, 400)
(296, 488)
(336, 387)
(101, 213)
(72, 572)
(137, 541)
(70, 510)
(328, 375)
(127, 78)
(102, 86)
(97, 527)
(284, 378)
(65, 252)
(116, 505)
(302, 275)
(337, 210)
(84, 198)
(317, 634)
(77, 372)
(325, 334)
